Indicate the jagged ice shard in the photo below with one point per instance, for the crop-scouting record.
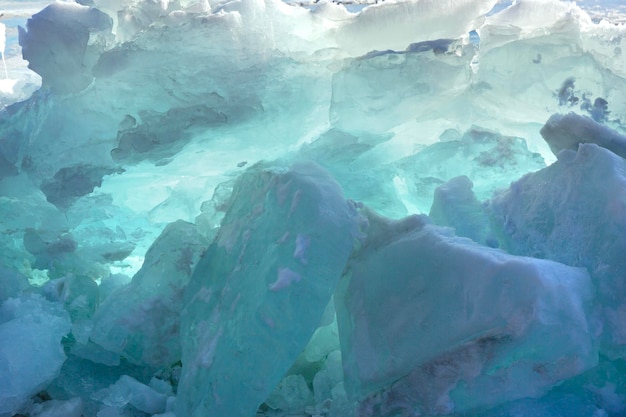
(343, 209)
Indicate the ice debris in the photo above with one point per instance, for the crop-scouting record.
(152, 265)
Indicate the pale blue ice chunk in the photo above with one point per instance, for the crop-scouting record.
(319, 366)
(325, 340)
(31, 354)
(82, 378)
(57, 45)
(58, 408)
(291, 395)
(160, 386)
(108, 233)
(274, 99)
(79, 295)
(432, 322)
(567, 131)
(57, 253)
(574, 212)
(258, 293)
(12, 283)
(456, 206)
(127, 390)
(330, 395)
(213, 210)
(141, 320)
(23, 206)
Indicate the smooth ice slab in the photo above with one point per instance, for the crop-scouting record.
(260, 290)
(141, 320)
(31, 354)
(567, 131)
(439, 324)
(574, 212)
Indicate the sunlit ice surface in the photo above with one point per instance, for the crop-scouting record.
(312, 208)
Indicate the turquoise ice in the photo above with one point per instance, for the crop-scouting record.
(259, 291)
(187, 199)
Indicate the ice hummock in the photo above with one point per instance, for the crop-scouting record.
(510, 327)
(535, 217)
(158, 264)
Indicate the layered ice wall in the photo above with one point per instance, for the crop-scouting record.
(267, 208)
